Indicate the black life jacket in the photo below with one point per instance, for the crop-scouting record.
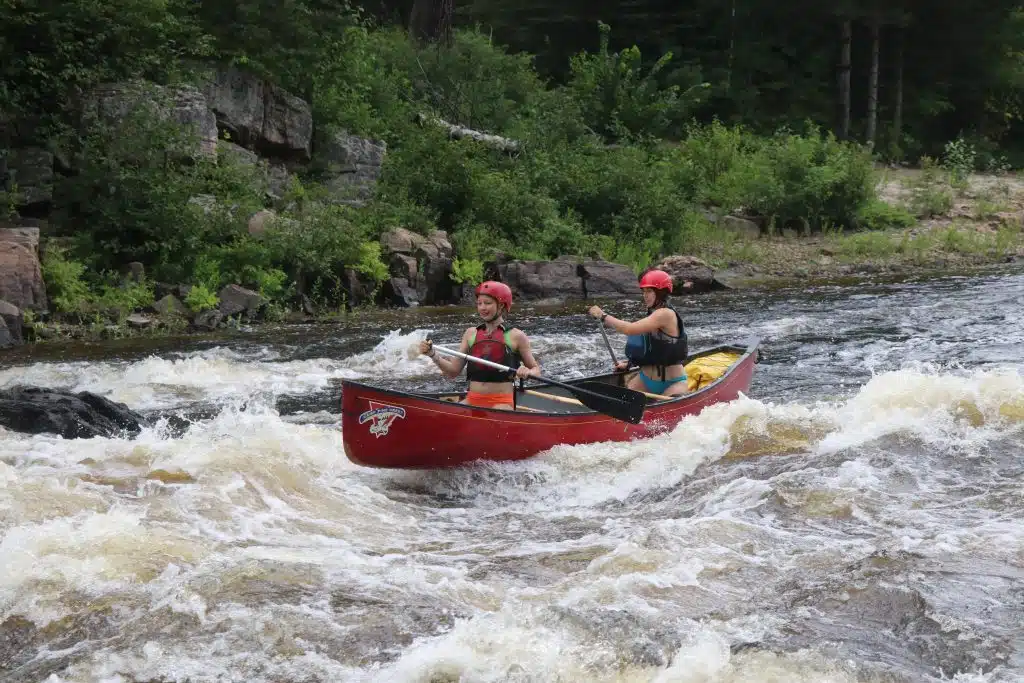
(657, 348)
(495, 347)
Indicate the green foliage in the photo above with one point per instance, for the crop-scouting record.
(9, 202)
(621, 102)
(123, 297)
(50, 51)
(879, 215)
(72, 290)
(200, 298)
(64, 278)
(959, 159)
(467, 271)
(930, 194)
(139, 196)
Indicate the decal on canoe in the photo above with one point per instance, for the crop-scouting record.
(381, 416)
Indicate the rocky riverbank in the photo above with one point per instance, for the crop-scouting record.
(770, 261)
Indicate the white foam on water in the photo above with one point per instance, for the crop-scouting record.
(214, 375)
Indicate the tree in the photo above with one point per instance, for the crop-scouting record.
(431, 21)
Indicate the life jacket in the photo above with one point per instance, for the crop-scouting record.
(658, 348)
(495, 347)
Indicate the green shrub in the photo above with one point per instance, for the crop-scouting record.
(620, 102)
(467, 271)
(878, 215)
(200, 298)
(135, 198)
(64, 278)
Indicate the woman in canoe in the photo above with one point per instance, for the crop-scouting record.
(657, 343)
(494, 341)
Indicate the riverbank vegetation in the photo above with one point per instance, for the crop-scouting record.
(629, 141)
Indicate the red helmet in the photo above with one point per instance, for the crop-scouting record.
(658, 279)
(498, 291)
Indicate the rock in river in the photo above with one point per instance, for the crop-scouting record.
(38, 410)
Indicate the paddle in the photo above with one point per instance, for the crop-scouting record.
(604, 333)
(618, 402)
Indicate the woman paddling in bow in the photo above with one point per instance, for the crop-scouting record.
(656, 343)
(493, 341)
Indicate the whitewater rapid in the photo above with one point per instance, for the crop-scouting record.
(858, 517)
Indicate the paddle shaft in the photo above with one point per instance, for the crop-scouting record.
(607, 343)
(552, 397)
(499, 366)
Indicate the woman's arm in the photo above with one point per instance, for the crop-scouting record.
(652, 323)
(451, 367)
(530, 366)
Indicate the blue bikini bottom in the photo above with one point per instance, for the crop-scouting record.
(657, 386)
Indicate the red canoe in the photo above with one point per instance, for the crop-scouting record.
(385, 428)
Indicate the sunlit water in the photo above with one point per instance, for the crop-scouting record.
(858, 517)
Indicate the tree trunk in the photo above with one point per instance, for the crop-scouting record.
(844, 79)
(732, 46)
(897, 116)
(873, 83)
(431, 21)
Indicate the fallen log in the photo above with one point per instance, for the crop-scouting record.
(457, 132)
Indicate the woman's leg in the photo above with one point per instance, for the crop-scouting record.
(670, 388)
(676, 389)
(636, 383)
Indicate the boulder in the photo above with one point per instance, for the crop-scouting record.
(689, 269)
(350, 165)
(606, 279)
(358, 288)
(138, 321)
(208, 320)
(237, 154)
(21, 277)
(567, 277)
(112, 103)
(11, 321)
(743, 227)
(279, 181)
(169, 306)
(23, 235)
(259, 115)
(6, 338)
(235, 300)
(36, 410)
(204, 202)
(259, 221)
(136, 272)
(420, 268)
(398, 291)
(30, 172)
(533, 280)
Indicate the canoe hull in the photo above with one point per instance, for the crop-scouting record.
(393, 429)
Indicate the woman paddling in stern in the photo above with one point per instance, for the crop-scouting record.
(656, 343)
(491, 340)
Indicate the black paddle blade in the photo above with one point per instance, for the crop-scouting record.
(618, 402)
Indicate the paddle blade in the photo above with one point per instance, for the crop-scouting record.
(618, 402)
(412, 352)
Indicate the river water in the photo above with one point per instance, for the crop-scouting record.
(858, 517)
